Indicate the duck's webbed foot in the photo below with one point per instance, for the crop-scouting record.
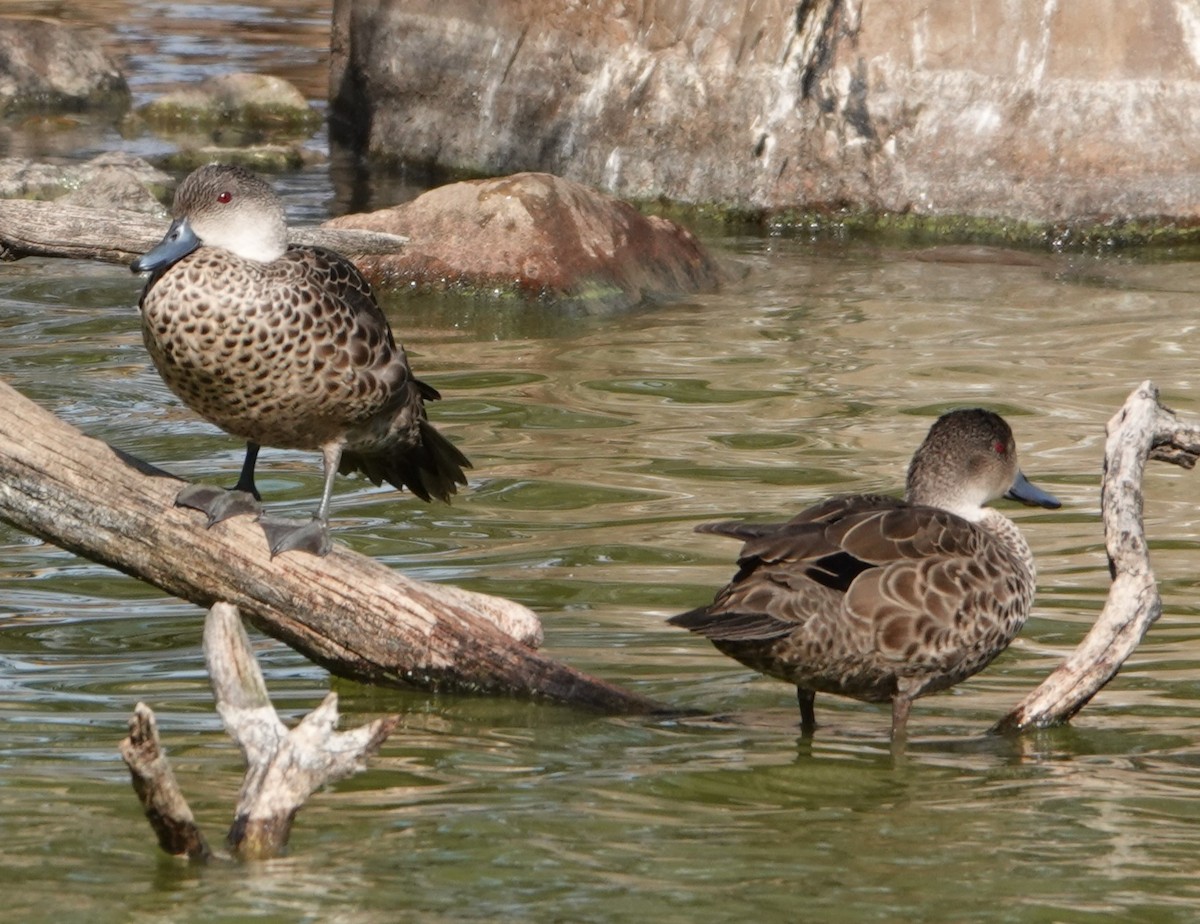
(310, 536)
(217, 503)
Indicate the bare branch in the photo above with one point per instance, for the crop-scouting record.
(282, 768)
(154, 782)
(1143, 429)
(54, 229)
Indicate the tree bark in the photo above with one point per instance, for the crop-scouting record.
(52, 229)
(1143, 429)
(349, 613)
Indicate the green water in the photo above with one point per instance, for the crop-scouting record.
(599, 443)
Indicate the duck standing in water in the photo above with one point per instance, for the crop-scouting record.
(882, 599)
(283, 346)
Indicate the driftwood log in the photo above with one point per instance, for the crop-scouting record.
(53, 229)
(349, 613)
(1143, 429)
(283, 768)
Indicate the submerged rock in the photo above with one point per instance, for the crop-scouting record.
(265, 158)
(239, 101)
(120, 181)
(538, 237)
(45, 65)
(255, 120)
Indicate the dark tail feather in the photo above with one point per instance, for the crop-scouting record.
(432, 468)
(732, 627)
(692, 620)
(736, 529)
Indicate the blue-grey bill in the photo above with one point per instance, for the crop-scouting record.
(179, 241)
(1026, 492)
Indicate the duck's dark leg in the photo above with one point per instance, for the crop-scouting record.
(219, 504)
(808, 715)
(313, 536)
(901, 704)
(246, 478)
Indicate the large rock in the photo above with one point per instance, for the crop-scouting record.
(46, 65)
(539, 237)
(1024, 109)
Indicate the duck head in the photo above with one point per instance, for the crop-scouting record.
(223, 206)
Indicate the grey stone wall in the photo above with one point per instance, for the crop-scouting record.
(1042, 110)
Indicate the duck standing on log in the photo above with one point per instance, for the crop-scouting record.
(283, 346)
(883, 599)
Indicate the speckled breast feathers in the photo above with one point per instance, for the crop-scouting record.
(292, 353)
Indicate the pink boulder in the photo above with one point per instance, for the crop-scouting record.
(538, 236)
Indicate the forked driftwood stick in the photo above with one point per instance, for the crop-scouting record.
(283, 768)
(349, 613)
(1143, 429)
(53, 229)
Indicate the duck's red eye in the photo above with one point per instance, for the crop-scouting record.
(999, 448)
(225, 197)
